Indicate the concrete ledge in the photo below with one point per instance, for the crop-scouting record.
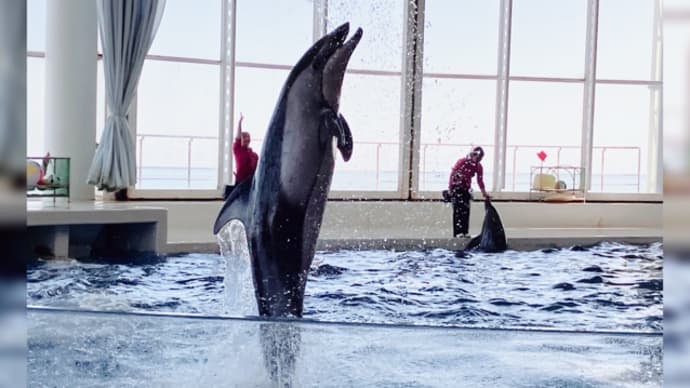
(190, 221)
(522, 240)
(86, 229)
(185, 226)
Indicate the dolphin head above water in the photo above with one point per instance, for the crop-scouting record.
(282, 206)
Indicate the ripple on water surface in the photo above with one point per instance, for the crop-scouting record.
(607, 286)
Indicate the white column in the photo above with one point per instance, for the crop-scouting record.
(70, 63)
(502, 89)
(589, 95)
(411, 101)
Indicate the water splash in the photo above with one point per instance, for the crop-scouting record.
(239, 286)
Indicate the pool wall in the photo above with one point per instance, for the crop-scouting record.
(186, 225)
(72, 348)
(400, 224)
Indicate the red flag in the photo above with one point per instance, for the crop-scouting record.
(542, 155)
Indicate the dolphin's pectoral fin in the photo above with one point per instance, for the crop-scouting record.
(337, 126)
(344, 138)
(235, 207)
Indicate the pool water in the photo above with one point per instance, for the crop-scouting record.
(85, 349)
(605, 287)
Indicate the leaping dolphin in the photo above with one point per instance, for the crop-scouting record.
(282, 206)
(493, 236)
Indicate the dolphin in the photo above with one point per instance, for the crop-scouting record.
(282, 206)
(492, 237)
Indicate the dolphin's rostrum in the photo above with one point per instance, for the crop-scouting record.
(282, 206)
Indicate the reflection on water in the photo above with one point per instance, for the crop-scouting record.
(603, 287)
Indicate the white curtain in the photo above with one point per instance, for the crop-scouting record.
(127, 30)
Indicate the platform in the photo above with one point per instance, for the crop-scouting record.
(186, 226)
(86, 229)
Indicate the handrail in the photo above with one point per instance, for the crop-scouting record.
(424, 149)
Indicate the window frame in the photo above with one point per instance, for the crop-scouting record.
(411, 77)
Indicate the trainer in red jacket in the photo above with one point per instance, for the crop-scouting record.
(245, 158)
(459, 185)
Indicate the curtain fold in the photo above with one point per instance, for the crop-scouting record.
(127, 30)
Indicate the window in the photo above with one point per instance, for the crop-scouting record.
(457, 115)
(626, 39)
(35, 114)
(458, 88)
(542, 116)
(371, 94)
(447, 26)
(548, 38)
(191, 91)
(178, 101)
(273, 32)
(623, 123)
(177, 126)
(271, 37)
(35, 77)
(189, 30)
(36, 25)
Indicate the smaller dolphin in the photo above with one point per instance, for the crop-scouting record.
(492, 238)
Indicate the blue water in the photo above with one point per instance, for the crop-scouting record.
(81, 349)
(608, 286)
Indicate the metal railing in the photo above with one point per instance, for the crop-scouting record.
(518, 147)
(189, 138)
(423, 155)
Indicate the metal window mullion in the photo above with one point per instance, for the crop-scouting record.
(226, 92)
(502, 86)
(410, 100)
(320, 21)
(589, 93)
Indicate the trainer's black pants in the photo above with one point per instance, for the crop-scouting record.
(461, 199)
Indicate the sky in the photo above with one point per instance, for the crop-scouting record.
(461, 36)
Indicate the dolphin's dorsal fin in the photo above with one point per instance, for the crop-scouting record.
(235, 207)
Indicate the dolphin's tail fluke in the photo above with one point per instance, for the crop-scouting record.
(235, 207)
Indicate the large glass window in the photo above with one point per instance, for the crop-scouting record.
(457, 114)
(626, 38)
(35, 77)
(548, 38)
(458, 88)
(36, 25)
(35, 107)
(184, 105)
(273, 32)
(623, 122)
(178, 101)
(177, 126)
(271, 37)
(542, 116)
(461, 37)
(189, 29)
(371, 94)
